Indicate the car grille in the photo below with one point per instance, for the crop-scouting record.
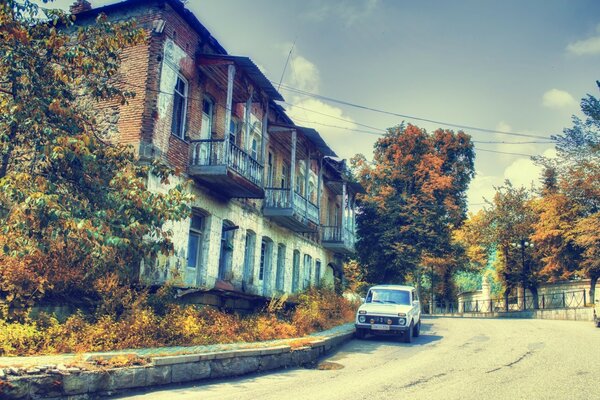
(378, 319)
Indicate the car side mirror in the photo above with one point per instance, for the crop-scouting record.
(415, 302)
(362, 300)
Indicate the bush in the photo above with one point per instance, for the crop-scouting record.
(140, 326)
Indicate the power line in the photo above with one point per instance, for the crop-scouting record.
(349, 104)
(380, 134)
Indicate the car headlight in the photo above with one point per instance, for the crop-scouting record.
(362, 319)
(401, 321)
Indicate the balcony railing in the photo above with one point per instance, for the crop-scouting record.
(210, 152)
(338, 235)
(280, 198)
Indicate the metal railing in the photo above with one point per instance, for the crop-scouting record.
(210, 152)
(546, 301)
(280, 198)
(333, 233)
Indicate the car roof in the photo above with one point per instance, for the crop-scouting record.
(393, 287)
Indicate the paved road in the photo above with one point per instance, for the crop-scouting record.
(453, 359)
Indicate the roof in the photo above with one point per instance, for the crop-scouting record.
(312, 135)
(177, 5)
(393, 287)
(253, 72)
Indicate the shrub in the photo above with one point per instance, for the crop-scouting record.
(140, 326)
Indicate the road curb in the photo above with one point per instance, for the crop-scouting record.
(165, 370)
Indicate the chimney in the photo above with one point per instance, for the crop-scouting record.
(80, 6)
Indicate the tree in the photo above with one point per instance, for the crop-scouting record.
(415, 197)
(73, 203)
(570, 205)
(511, 218)
(474, 238)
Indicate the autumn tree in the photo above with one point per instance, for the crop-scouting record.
(511, 219)
(415, 197)
(74, 207)
(473, 237)
(570, 206)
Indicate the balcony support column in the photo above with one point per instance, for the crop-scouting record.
(306, 180)
(343, 211)
(293, 168)
(264, 136)
(228, 106)
(319, 182)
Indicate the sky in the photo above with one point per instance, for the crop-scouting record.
(519, 66)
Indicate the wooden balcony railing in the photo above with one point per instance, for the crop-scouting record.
(280, 198)
(210, 152)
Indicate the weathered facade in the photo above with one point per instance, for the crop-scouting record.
(274, 209)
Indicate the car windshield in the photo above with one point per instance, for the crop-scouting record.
(388, 296)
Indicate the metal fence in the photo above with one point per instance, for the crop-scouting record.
(546, 301)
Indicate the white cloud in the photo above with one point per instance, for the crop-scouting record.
(558, 99)
(330, 121)
(304, 75)
(524, 172)
(589, 46)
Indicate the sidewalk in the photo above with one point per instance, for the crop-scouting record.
(65, 359)
(63, 376)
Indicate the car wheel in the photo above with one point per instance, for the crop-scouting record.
(417, 329)
(409, 333)
(360, 333)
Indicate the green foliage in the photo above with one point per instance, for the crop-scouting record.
(73, 204)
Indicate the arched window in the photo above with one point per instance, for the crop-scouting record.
(280, 276)
(296, 271)
(248, 274)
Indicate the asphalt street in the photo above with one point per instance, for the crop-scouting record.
(455, 358)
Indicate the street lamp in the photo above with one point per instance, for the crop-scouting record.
(523, 244)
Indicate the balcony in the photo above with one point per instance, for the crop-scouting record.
(338, 239)
(295, 213)
(235, 174)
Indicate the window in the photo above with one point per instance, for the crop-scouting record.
(296, 271)
(300, 184)
(208, 107)
(307, 271)
(233, 132)
(312, 196)
(226, 257)
(266, 249)
(270, 170)
(284, 175)
(280, 277)
(254, 151)
(248, 273)
(318, 271)
(179, 107)
(195, 241)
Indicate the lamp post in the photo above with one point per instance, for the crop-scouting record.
(523, 244)
(431, 305)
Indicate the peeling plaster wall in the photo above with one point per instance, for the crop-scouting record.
(247, 218)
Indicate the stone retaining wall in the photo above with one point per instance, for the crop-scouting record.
(569, 314)
(166, 370)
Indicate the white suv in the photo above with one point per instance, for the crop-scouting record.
(390, 309)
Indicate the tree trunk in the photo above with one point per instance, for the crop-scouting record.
(593, 280)
(506, 293)
(535, 296)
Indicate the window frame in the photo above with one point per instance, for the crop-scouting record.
(184, 105)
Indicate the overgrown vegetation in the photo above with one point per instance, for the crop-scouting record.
(180, 325)
(74, 206)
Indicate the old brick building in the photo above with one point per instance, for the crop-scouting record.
(274, 210)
